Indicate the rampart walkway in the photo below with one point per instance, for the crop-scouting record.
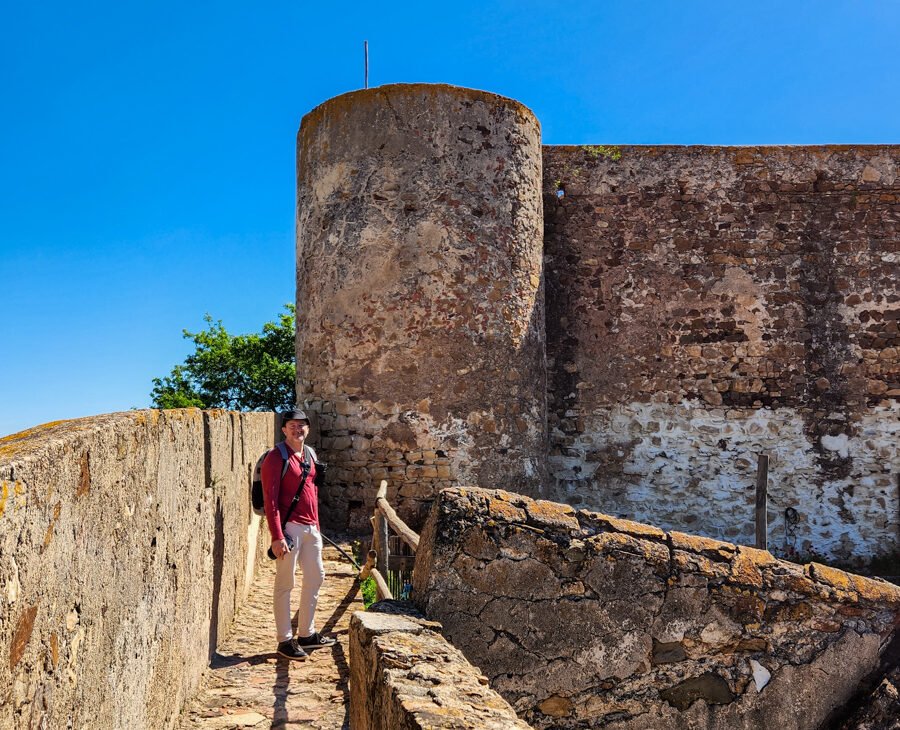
(249, 686)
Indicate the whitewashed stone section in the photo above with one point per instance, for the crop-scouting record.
(694, 468)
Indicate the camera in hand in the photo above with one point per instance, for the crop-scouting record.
(290, 544)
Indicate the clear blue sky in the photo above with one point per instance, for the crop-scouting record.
(147, 149)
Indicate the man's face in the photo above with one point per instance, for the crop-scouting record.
(295, 430)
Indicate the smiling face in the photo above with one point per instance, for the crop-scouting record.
(295, 433)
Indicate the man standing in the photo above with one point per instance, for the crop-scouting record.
(295, 535)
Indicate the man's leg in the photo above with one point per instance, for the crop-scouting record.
(284, 582)
(313, 575)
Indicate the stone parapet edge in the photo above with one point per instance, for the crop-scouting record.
(405, 675)
(727, 562)
(37, 645)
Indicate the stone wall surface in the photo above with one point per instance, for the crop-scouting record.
(420, 340)
(126, 545)
(661, 318)
(406, 676)
(880, 709)
(585, 620)
(707, 304)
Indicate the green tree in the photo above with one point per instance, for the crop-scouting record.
(253, 372)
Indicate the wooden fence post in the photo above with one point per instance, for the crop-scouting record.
(381, 542)
(762, 499)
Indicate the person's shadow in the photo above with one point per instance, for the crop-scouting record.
(280, 690)
(342, 662)
(222, 661)
(282, 678)
(281, 685)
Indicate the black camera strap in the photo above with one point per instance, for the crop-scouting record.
(306, 465)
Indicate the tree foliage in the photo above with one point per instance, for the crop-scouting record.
(254, 372)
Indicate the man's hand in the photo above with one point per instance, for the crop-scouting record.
(280, 548)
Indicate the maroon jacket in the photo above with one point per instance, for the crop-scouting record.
(278, 497)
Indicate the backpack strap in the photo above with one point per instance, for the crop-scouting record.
(311, 453)
(285, 457)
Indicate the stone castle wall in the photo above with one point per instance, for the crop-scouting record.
(419, 313)
(126, 545)
(679, 311)
(707, 304)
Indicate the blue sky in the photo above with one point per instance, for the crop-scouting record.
(147, 149)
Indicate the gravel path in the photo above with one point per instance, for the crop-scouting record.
(249, 686)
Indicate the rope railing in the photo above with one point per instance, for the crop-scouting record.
(384, 521)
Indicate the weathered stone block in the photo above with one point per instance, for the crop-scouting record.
(405, 676)
(582, 620)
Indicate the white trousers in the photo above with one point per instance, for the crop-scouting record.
(308, 550)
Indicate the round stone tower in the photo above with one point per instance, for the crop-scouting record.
(420, 320)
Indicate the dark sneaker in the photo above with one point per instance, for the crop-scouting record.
(315, 641)
(290, 650)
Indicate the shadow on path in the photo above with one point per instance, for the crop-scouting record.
(219, 661)
(343, 684)
(340, 658)
(341, 608)
(337, 651)
(249, 685)
(280, 690)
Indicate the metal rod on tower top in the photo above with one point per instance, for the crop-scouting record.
(366, 46)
